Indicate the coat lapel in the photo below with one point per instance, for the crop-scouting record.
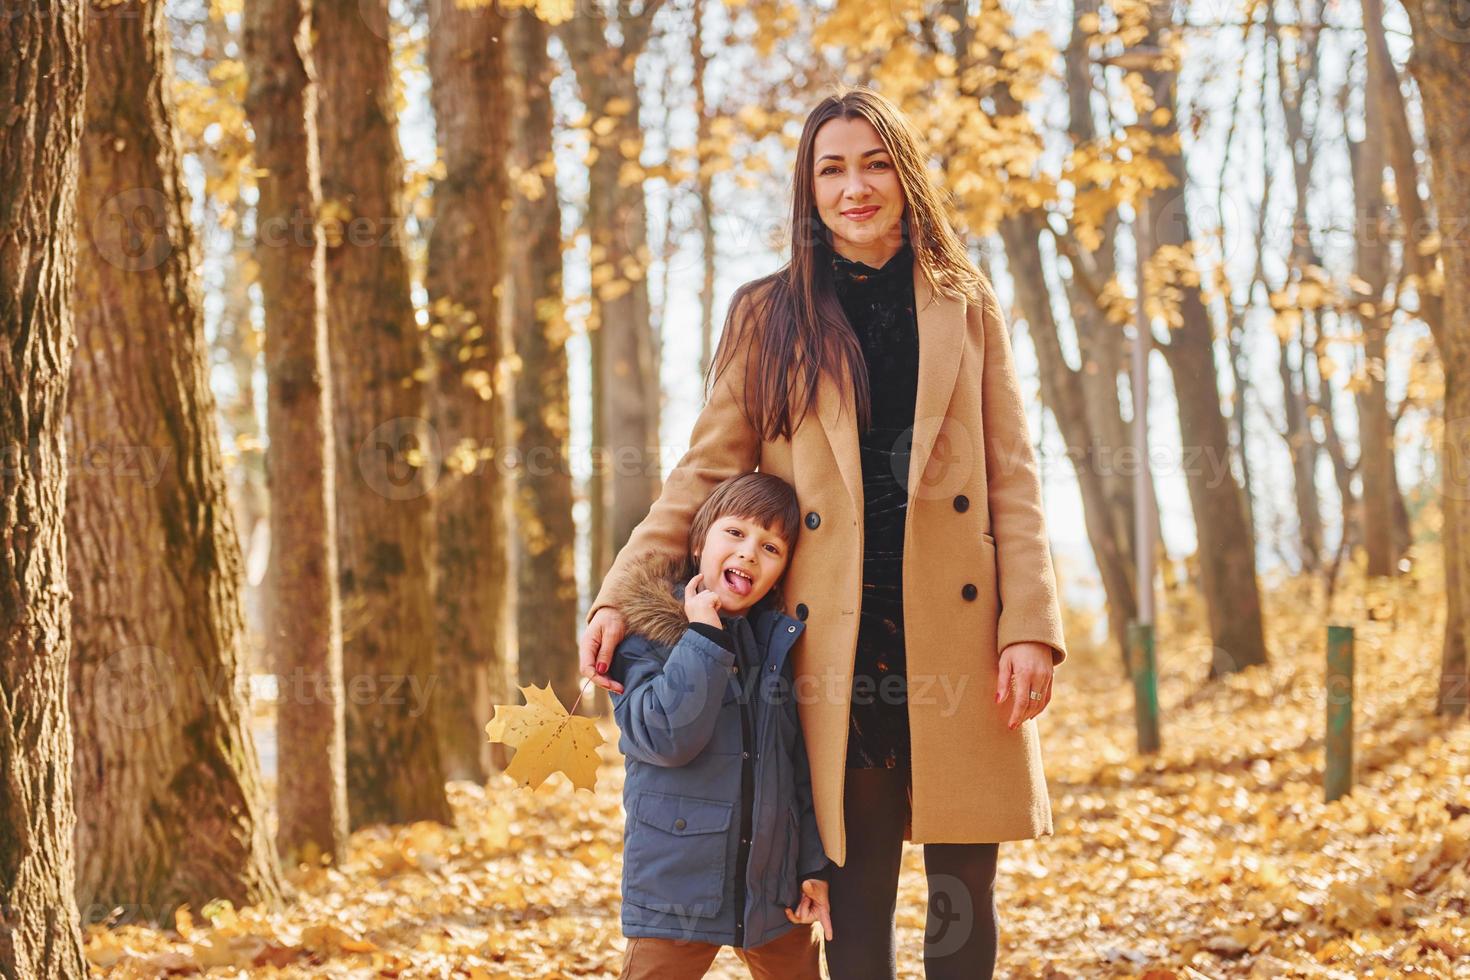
(941, 324)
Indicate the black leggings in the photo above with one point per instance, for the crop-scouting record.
(960, 932)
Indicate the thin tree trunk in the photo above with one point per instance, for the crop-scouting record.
(1375, 434)
(1418, 230)
(470, 394)
(1063, 393)
(1440, 64)
(1084, 402)
(704, 182)
(1301, 443)
(1226, 552)
(546, 610)
(304, 638)
(42, 80)
(169, 799)
(627, 386)
(387, 454)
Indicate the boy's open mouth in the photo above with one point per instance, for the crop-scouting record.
(739, 582)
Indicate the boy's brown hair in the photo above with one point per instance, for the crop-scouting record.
(761, 497)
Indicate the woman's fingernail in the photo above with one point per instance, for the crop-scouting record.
(601, 667)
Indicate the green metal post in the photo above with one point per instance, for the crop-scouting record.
(1145, 685)
(1338, 778)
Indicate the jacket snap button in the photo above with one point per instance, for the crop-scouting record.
(773, 668)
(745, 755)
(679, 824)
(791, 629)
(801, 611)
(813, 519)
(969, 591)
(962, 503)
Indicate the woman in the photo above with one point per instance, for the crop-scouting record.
(873, 372)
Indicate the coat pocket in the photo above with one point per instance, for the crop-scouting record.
(788, 891)
(674, 854)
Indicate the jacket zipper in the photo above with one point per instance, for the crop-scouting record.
(747, 792)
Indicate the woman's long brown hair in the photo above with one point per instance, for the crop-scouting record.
(795, 309)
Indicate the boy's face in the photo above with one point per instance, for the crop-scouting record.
(740, 560)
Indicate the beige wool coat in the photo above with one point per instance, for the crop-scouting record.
(977, 571)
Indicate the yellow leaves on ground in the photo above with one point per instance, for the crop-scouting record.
(1216, 858)
(546, 740)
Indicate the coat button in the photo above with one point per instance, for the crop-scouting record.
(679, 824)
(801, 611)
(791, 629)
(813, 519)
(961, 503)
(969, 591)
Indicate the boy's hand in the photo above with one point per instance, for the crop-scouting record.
(814, 906)
(702, 605)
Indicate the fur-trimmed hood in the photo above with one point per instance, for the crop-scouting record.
(651, 598)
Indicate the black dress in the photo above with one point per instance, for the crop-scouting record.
(879, 304)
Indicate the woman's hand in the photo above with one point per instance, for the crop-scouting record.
(599, 641)
(702, 605)
(815, 906)
(1025, 667)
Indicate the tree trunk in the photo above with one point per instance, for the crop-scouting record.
(1084, 402)
(1226, 551)
(304, 638)
(704, 185)
(1063, 393)
(1440, 64)
(42, 80)
(626, 372)
(1294, 88)
(1375, 434)
(169, 799)
(470, 392)
(546, 611)
(388, 455)
(1386, 87)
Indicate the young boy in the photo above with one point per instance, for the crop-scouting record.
(720, 838)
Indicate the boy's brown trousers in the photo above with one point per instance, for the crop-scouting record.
(796, 955)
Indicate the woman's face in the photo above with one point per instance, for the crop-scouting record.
(856, 189)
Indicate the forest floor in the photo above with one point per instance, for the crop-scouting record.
(1216, 857)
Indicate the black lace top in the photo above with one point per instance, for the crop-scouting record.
(879, 304)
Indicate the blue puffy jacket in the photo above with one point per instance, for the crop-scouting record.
(720, 829)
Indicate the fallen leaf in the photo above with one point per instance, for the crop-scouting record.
(546, 739)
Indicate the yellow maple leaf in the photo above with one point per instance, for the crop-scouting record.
(546, 739)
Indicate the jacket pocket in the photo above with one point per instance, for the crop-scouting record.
(788, 892)
(674, 854)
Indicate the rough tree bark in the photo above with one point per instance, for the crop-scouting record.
(470, 391)
(170, 804)
(42, 78)
(387, 457)
(304, 624)
(1440, 64)
(547, 623)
